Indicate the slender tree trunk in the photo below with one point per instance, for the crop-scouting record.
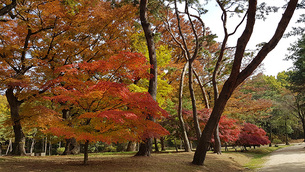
(46, 145)
(303, 122)
(182, 124)
(50, 148)
(270, 144)
(14, 103)
(286, 132)
(176, 146)
(145, 146)
(9, 147)
(162, 144)
(32, 145)
(156, 145)
(203, 91)
(86, 152)
(194, 107)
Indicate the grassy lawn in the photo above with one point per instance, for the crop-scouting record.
(167, 161)
(258, 156)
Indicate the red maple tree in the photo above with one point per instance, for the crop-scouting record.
(252, 135)
(104, 108)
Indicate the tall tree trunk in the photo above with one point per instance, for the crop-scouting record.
(86, 152)
(50, 148)
(203, 91)
(286, 132)
(270, 144)
(182, 124)
(303, 122)
(162, 144)
(217, 143)
(71, 147)
(194, 107)
(14, 103)
(145, 148)
(146, 145)
(156, 145)
(131, 146)
(205, 139)
(9, 147)
(32, 143)
(237, 75)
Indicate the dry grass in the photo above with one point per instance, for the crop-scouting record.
(175, 162)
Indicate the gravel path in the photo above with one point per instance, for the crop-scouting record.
(289, 159)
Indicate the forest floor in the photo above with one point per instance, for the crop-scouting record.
(161, 162)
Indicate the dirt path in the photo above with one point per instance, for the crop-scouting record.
(289, 159)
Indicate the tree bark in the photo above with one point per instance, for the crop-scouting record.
(71, 147)
(162, 144)
(86, 146)
(131, 146)
(193, 99)
(156, 145)
(14, 103)
(270, 138)
(303, 122)
(182, 124)
(237, 77)
(145, 148)
(32, 145)
(217, 143)
(6, 9)
(146, 145)
(203, 91)
(286, 132)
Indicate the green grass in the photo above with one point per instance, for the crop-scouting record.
(258, 155)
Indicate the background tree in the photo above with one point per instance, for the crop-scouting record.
(238, 75)
(296, 77)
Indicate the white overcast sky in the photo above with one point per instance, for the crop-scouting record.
(263, 31)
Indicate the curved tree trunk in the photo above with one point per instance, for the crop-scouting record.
(146, 145)
(187, 146)
(237, 75)
(209, 129)
(14, 103)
